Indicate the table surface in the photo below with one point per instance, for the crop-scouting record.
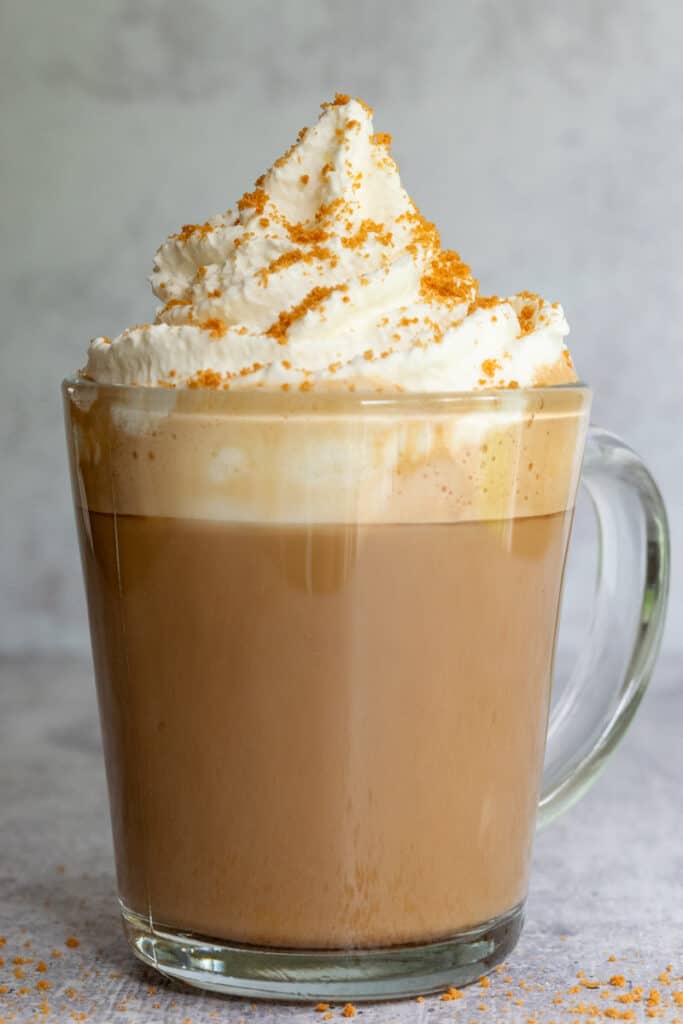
(606, 896)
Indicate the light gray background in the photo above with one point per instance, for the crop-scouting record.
(544, 138)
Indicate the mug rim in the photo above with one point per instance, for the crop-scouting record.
(271, 400)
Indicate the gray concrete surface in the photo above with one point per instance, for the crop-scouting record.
(544, 139)
(607, 881)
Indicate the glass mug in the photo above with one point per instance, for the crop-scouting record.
(323, 630)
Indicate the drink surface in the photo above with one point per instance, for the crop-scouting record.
(323, 735)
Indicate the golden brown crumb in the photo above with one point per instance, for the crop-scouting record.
(526, 320)
(340, 100)
(489, 367)
(246, 371)
(366, 228)
(206, 379)
(349, 1010)
(255, 200)
(315, 298)
(189, 230)
(322, 1007)
(484, 302)
(451, 994)
(448, 280)
(216, 328)
(292, 256)
(303, 234)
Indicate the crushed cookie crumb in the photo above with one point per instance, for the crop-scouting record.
(255, 200)
(189, 231)
(206, 379)
(448, 280)
(489, 367)
(216, 328)
(365, 229)
(313, 300)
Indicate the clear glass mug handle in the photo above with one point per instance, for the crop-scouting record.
(614, 667)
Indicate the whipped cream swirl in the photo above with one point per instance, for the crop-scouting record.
(327, 276)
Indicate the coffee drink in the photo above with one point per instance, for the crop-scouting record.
(323, 736)
(324, 503)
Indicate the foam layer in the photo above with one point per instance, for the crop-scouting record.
(306, 458)
(327, 277)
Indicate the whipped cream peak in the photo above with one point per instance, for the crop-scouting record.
(327, 276)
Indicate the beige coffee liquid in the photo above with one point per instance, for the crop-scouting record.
(323, 736)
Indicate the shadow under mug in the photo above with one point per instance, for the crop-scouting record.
(323, 630)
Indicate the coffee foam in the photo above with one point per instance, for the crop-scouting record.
(214, 456)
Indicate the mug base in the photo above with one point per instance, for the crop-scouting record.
(331, 975)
